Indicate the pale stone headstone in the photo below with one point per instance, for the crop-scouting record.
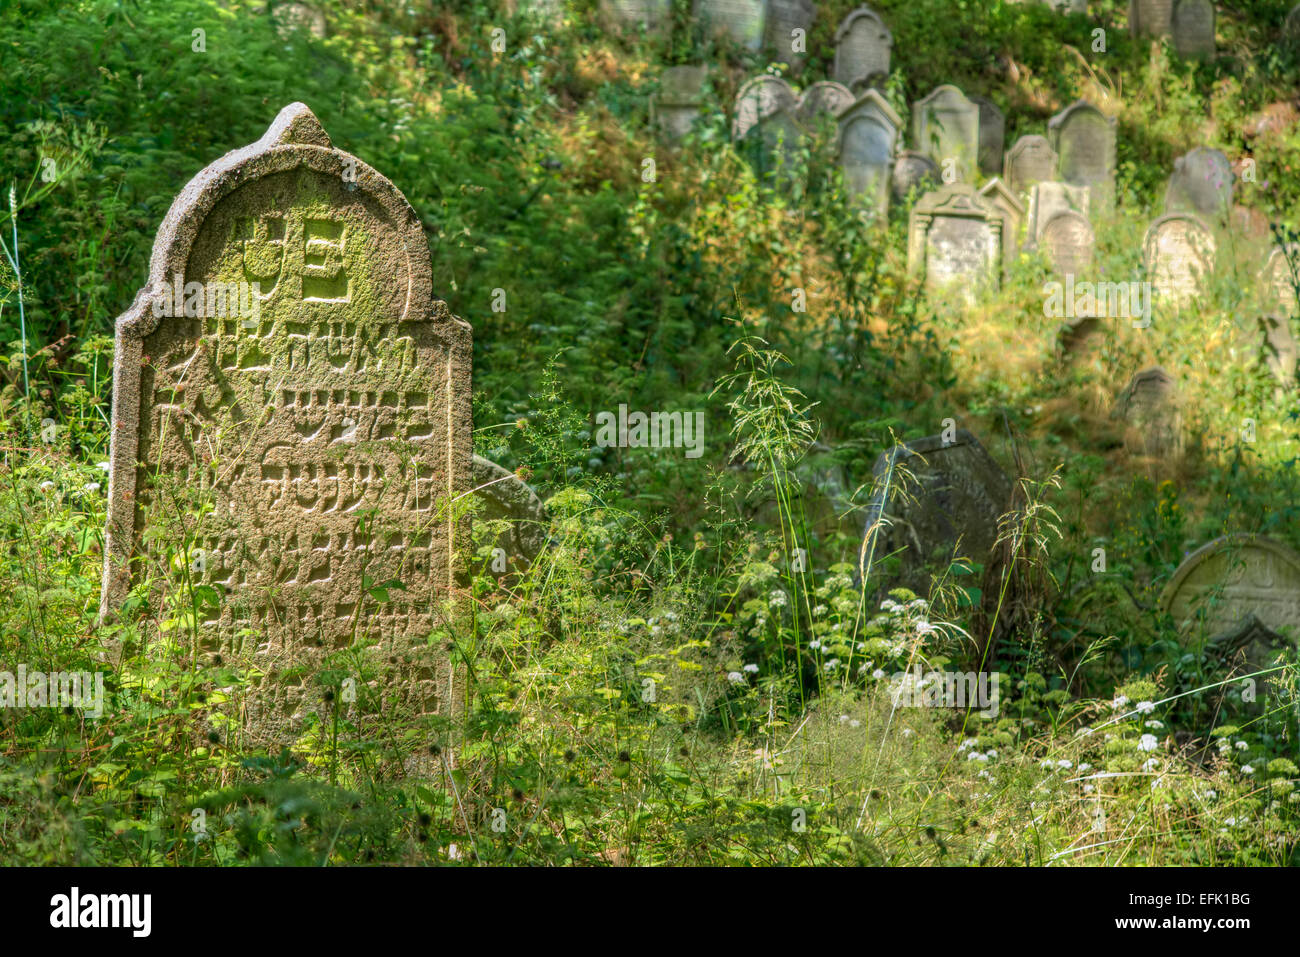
(913, 172)
(633, 16)
(1278, 349)
(946, 126)
(993, 132)
(1150, 18)
(955, 239)
(1279, 286)
(1068, 240)
(766, 128)
(299, 451)
(680, 100)
(1192, 27)
(825, 96)
(1201, 184)
(1221, 583)
(863, 45)
(1068, 6)
(868, 136)
(762, 97)
(1150, 408)
(506, 497)
(789, 25)
(290, 17)
(1048, 198)
(1031, 160)
(740, 21)
(995, 192)
(1178, 252)
(1084, 140)
(949, 508)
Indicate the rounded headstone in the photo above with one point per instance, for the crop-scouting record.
(1237, 575)
(506, 496)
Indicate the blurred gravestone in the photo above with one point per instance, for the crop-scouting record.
(1201, 184)
(1237, 575)
(1068, 241)
(766, 129)
(863, 45)
(1031, 160)
(1150, 409)
(913, 172)
(1278, 350)
(1084, 140)
(290, 17)
(678, 103)
(824, 96)
(1279, 285)
(507, 497)
(1178, 252)
(955, 241)
(1150, 18)
(784, 19)
(760, 98)
(1080, 337)
(1192, 27)
(996, 194)
(740, 21)
(946, 126)
(294, 454)
(868, 134)
(633, 16)
(933, 502)
(993, 132)
(1046, 199)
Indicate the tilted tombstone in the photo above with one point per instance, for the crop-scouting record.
(824, 96)
(1178, 252)
(1192, 27)
(868, 134)
(1048, 198)
(297, 451)
(995, 193)
(633, 16)
(1031, 160)
(789, 22)
(1151, 410)
(948, 508)
(1279, 285)
(1068, 241)
(955, 239)
(1084, 140)
(913, 172)
(1201, 183)
(1278, 349)
(740, 21)
(993, 133)
(680, 100)
(946, 125)
(863, 45)
(506, 497)
(1150, 18)
(758, 99)
(1237, 575)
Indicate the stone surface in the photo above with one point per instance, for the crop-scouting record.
(306, 447)
(1249, 647)
(1202, 184)
(946, 126)
(1084, 140)
(948, 508)
(1278, 285)
(762, 97)
(1046, 200)
(290, 17)
(825, 96)
(1031, 160)
(633, 16)
(955, 241)
(1278, 349)
(1068, 241)
(1178, 252)
(1150, 409)
(913, 171)
(784, 17)
(766, 127)
(507, 497)
(868, 138)
(740, 21)
(993, 133)
(1221, 583)
(1192, 27)
(1150, 18)
(996, 194)
(863, 46)
(680, 100)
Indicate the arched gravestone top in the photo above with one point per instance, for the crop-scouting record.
(741, 21)
(1201, 183)
(863, 46)
(825, 96)
(783, 18)
(506, 496)
(1150, 18)
(1084, 140)
(1068, 240)
(1192, 27)
(1048, 198)
(950, 508)
(1178, 252)
(1232, 577)
(1279, 290)
(344, 387)
(1150, 408)
(1030, 160)
(913, 171)
(762, 97)
(946, 125)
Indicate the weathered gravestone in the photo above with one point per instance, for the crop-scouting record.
(933, 502)
(1201, 184)
(868, 136)
(955, 240)
(740, 21)
(1192, 27)
(993, 133)
(762, 97)
(633, 16)
(1150, 18)
(1237, 575)
(1031, 160)
(1068, 241)
(824, 97)
(1178, 252)
(506, 497)
(789, 22)
(1046, 200)
(295, 452)
(1278, 350)
(863, 45)
(1084, 140)
(996, 194)
(765, 126)
(680, 100)
(946, 125)
(1068, 6)
(913, 172)
(291, 17)
(1151, 412)
(1279, 285)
